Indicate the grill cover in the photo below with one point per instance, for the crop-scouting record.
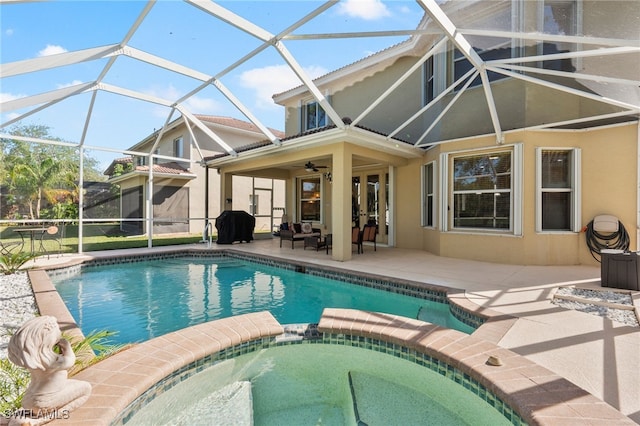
(235, 225)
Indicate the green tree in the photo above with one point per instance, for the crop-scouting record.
(35, 174)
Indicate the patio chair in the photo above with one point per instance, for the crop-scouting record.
(52, 233)
(356, 238)
(8, 247)
(369, 234)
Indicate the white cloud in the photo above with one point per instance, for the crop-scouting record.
(195, 104)
(198, 105)
(368, 10)
(51, 50)
(269, 80)
(8, 32)
(6, 97)
(12, 116)
(64, 85)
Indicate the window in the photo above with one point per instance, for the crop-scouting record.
(429, 81)
(557, 190)
(428, 195)
(559, 17)
(253, 204)
(178, 148)
(314, 116)
(461, 64)
(482, 191)
(310, 200)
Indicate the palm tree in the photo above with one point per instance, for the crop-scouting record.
(33, 179)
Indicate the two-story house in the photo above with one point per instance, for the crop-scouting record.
(497, 132)
(184, 192)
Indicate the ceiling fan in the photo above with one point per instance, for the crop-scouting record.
(310, 167)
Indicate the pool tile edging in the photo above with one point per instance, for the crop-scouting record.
(460, 307)
(538, 395)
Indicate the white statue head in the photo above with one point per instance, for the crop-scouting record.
(32, 346)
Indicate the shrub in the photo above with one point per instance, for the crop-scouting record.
(13, 384)
(10, 263)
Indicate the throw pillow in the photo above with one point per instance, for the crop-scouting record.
(297, 228)
(306, 228)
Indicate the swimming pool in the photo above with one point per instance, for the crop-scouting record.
(145, 299)
(307, 384)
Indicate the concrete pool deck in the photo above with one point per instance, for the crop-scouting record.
(594, 353)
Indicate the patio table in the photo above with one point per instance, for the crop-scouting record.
(34, 233)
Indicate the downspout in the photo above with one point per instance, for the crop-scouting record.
(638, 186)
(206, 196)
(149, 202)
(80, 202)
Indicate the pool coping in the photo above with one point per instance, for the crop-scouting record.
(537, 394)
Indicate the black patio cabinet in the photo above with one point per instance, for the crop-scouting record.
(620, 269)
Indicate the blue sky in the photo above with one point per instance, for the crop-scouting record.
(184, 34)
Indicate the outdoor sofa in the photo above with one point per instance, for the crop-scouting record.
(298, 232)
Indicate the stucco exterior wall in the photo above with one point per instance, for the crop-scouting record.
(609, 155)
(608, 186)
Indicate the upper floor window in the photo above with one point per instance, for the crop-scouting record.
(314, 116)
(557, 184)
(482, 191)
(559, 17)
(178, 148)
(428, 195)
(461, 64)
(310, 199)
(429, 81)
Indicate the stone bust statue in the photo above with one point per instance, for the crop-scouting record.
(39, 347)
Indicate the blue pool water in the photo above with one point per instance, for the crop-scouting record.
(147, 299)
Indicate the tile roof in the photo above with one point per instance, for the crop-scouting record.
(235, 123)
(164, 168)
(167, 168)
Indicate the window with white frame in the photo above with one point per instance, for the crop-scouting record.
(557, 184)
(313, 116)
(178, 148)
(428, 195)
(310, 199)
(429, 81)
(482, 191)
(559, 17)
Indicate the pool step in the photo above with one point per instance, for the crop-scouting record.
(378, 400)
(354, 401)
(231, 405)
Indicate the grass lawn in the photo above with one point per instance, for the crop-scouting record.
(94, 240)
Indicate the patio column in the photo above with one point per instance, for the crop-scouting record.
(341, 202)
(226, 191)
